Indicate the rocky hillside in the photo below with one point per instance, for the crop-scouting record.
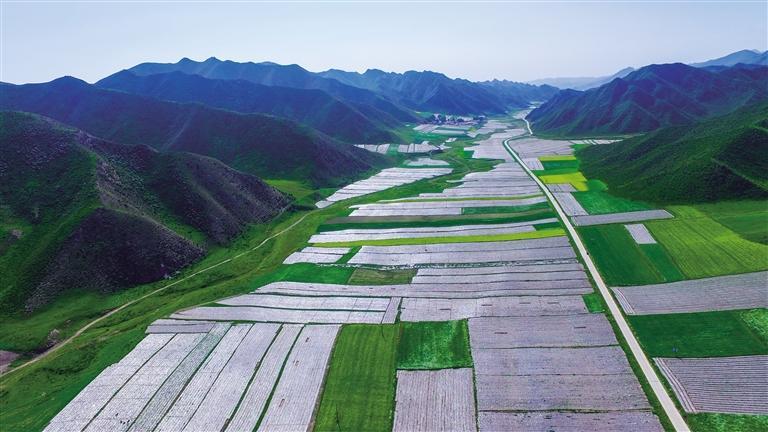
(81, 213)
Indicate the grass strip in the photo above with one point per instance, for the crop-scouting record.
(549, 232)
(348, 256)
(359, 391)
(434, 345)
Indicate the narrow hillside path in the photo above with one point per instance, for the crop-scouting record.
(648, 372)
(66, 341)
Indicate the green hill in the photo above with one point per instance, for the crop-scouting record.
(651, 97)
(81, 213)
(725, 158)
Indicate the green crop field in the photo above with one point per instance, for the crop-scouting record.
(701, 247)
(576, 179)
(599, 202)
(359, 393)
(703, 334)
(710, 422)
(434, 345)
(364, 276)
(621, 261)
(749, 219)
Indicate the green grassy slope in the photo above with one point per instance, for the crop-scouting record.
(725, 158)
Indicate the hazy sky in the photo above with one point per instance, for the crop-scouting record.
(475, 40)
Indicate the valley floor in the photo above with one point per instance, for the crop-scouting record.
(466, 307)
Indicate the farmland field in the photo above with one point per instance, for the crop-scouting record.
(434, 345)
(703, 334)
(622, 261)
(600, 202)
(360, 388)
(749, 219)
(576, 179)
(701, 247)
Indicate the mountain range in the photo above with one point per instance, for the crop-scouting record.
(263, 145)
(435, 92)
(312, 107)
(651, 97)
(385, 96)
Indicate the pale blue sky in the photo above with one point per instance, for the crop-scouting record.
(506, 40)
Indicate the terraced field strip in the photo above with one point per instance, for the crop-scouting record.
(440, 208)
(376, 148)
(533, 147)
(569, 204)
(259, 390)
(120, 412)
(87, 404)
(293, 403)
(224, 395)
(437, 309)
(533, 163)
(308, 303)
(456, 291)
(465, 253)
(569, 421)
(393, 308)
(172, 387)
(186, 404)
(561, 187)
(745, 291)
(262, 314)
(423, 161)
(423, 147)
(192, 327)
(385, 179)
(440, 400)
(640, 234)
(598, 360)
(358, 235)
(544, 331)
(316, 255)
(611, 218)
(737, 385)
